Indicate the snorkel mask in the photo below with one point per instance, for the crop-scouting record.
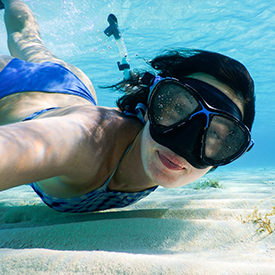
(196, 121)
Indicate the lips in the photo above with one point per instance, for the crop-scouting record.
(170, 162)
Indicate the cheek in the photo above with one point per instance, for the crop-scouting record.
(147, 147)
(149, 156)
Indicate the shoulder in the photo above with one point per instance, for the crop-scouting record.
(108, 135)
(107, 130)
(98, 122)
(108, 119)
(111, 126)
(111, 133)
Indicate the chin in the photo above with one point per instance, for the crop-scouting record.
(174, 184)
(172, 179)
(168, 179)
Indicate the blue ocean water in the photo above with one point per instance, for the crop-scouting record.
(244, 30)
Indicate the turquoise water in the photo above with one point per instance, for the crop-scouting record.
(244, 30)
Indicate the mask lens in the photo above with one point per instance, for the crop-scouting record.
(224, 140)
(172, 103)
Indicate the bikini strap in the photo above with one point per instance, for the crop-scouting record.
(35, 114)
(105, 185)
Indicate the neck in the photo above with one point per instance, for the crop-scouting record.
(131, 176)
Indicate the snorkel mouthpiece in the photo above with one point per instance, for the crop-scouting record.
(114, 30)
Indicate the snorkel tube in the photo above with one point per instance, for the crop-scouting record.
(114, 30)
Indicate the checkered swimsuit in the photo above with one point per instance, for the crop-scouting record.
(99, 199)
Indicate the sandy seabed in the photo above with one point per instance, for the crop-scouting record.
(187, 230)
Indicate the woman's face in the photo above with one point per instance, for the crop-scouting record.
(163, 166)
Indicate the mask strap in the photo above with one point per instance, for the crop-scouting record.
(147, 79)
(140, 111)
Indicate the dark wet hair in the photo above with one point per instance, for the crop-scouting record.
(181, 63)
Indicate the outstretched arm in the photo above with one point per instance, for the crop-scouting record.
(40, 149)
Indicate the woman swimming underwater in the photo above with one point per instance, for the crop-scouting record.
(169, 129)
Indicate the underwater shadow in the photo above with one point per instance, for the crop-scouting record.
(131, 231)
(40, 215)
